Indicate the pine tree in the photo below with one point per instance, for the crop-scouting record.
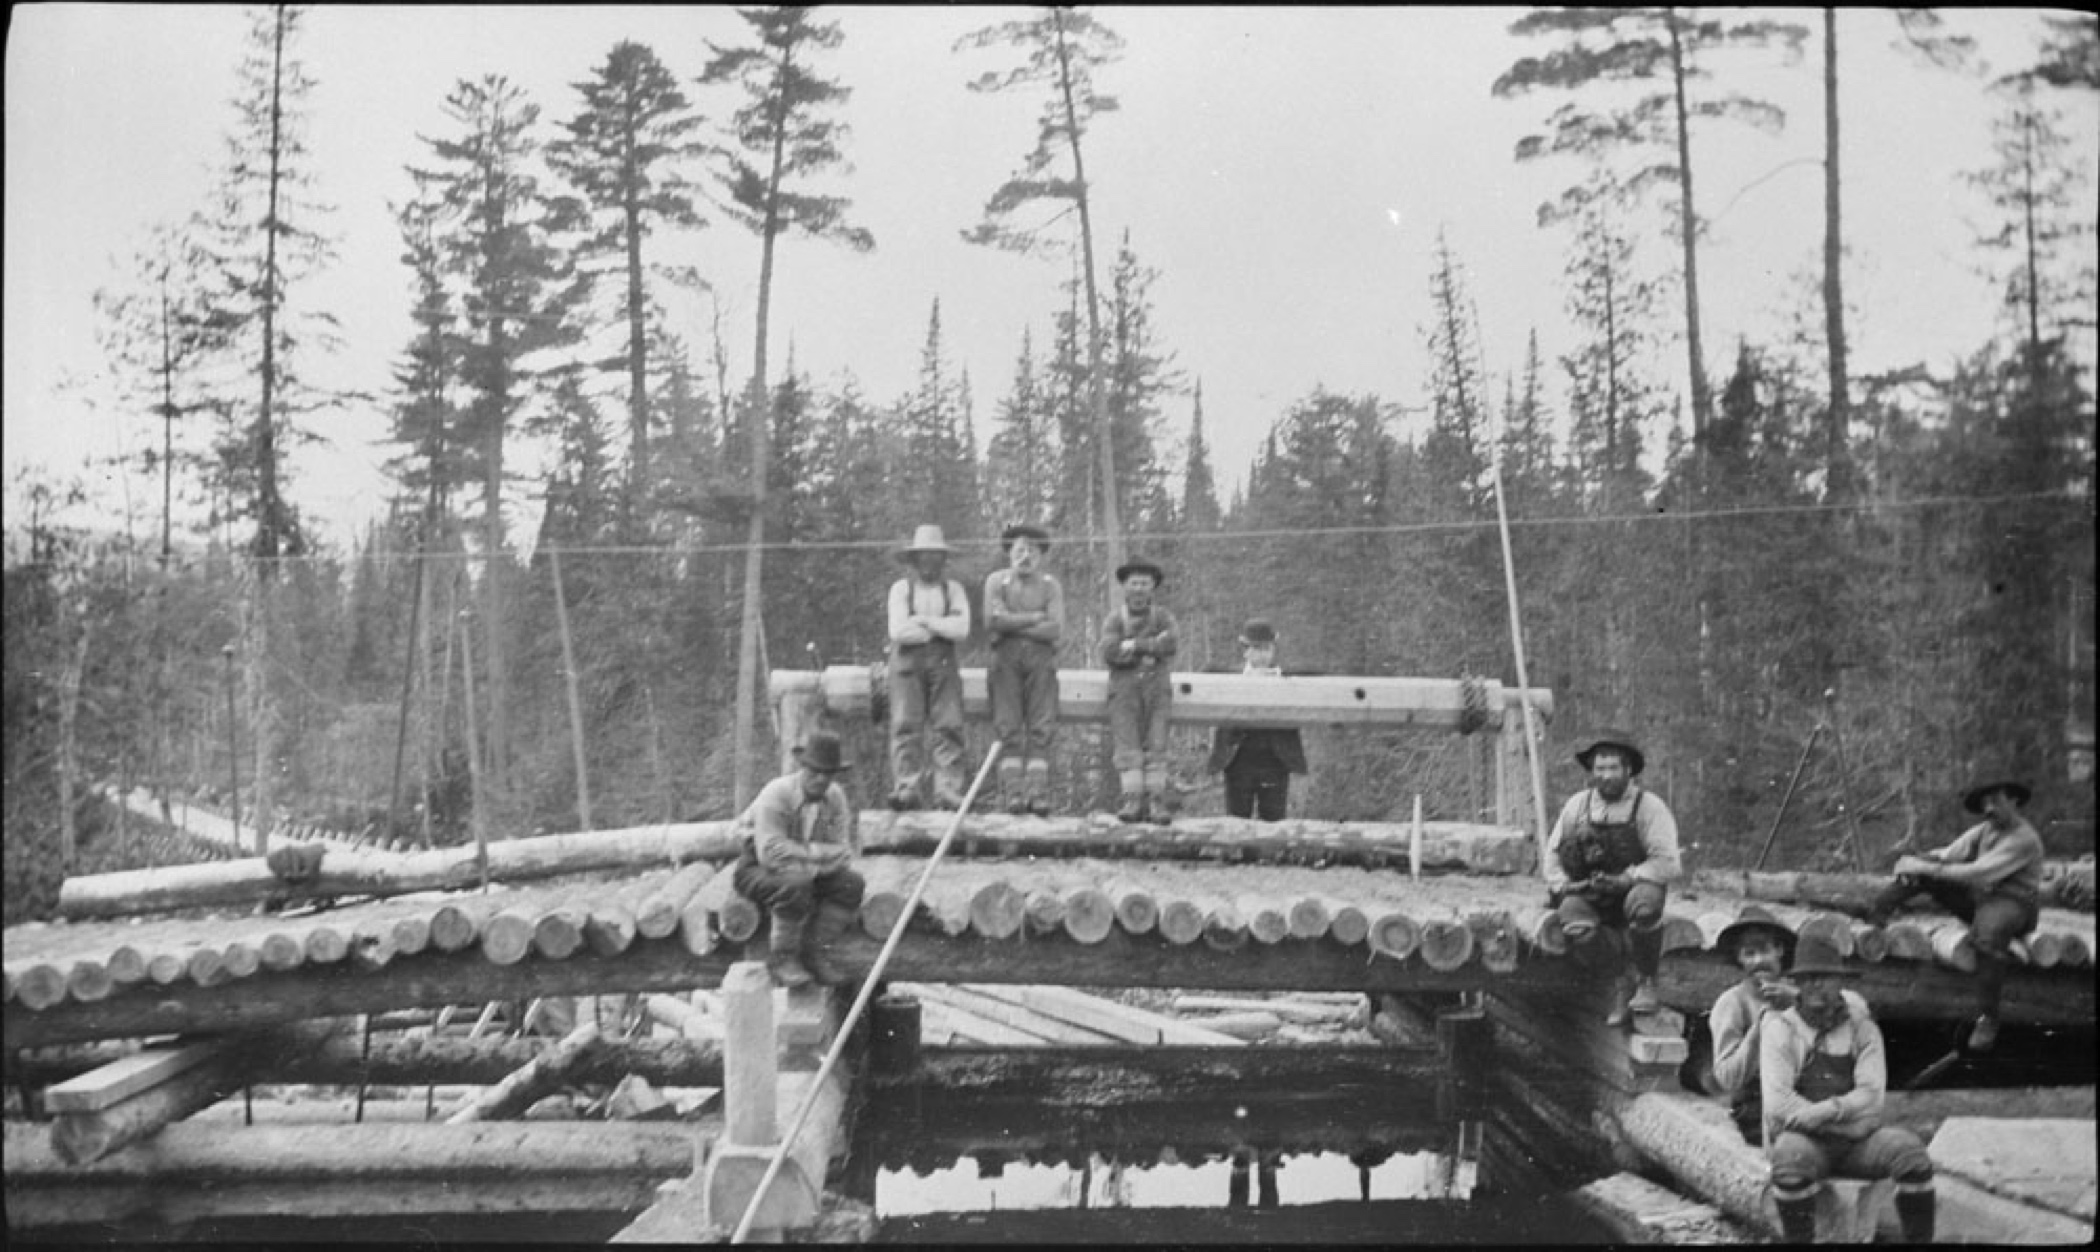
(1023, 449)
(1199, 492)
(785, 124)
(622, 151)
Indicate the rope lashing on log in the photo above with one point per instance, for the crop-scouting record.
(860, 1004)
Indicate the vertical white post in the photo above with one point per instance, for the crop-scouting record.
(750, 1060)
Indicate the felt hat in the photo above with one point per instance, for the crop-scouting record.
(1972, 799)
(1619, 739)
(1022, 530)
(926, 539)
(1735, 932)
(1139, 566)
(821, 752)
(1258, 630)
(1815, 956)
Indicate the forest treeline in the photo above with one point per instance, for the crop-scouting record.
(1907, 558)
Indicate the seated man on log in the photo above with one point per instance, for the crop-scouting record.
(800, 837)
(1991, 878)
(1137, 645)
(1024, 611)
(929, 618)
(1824, 1077)
(1257, 761)
(1762, 950)
(1610, 860)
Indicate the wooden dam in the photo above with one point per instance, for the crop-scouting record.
(130, 1024)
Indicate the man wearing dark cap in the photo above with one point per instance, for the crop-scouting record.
(1991, 878)
(800, 837)
(1824, 1077)
(1257, 761)
(1610, 860)
(1024, 611)
(1762, 950)
(1137, 645)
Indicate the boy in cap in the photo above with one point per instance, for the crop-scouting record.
(1762, 950)
(1824, 1076)
(1611, 858)
(1137, 645)
(1257, 761)
(1024, 611)
(1991, 878)
(929, 617)
(800, 837)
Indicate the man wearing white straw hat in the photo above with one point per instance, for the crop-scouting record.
(929, 618)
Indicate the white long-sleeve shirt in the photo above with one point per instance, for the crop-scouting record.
(944, 619)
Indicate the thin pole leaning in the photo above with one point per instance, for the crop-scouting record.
(1516, 638)
(860, 1002)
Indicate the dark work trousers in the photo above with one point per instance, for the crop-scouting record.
(1261, 792)
(796, 899)
(1023, 686)
(926, 703)
(1995, 919)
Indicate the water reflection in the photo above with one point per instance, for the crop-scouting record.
(1248, 1176)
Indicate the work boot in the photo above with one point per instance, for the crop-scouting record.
(904, 798)
(1644, 999)
(1915, 1210)
(1161, 804)
(1133, 808)
(830, 926)
(1039, 788)
(1797, 1218)
(784, 960)
(1010, 786)
(1983, 1036)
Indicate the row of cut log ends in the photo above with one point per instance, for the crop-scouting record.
(700, 907)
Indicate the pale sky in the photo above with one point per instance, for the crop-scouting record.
(1285, 170)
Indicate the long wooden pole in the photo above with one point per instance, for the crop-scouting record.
(860, 1002)
(480, 817)
(1516, 639)
(568, 661)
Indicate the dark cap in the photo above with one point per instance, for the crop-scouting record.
(821, 752)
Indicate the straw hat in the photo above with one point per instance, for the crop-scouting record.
(927, 538)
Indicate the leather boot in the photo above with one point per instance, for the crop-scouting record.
(1915, 1210)
(1039, 787)
(1646, 948)
(1010, 786)
(830, 926)
(1797, 1217)
(784, 960)
(1133, 787)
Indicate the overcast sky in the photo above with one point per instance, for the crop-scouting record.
(1286, 170)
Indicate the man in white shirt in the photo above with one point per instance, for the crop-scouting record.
(800, 836)
(929, 618)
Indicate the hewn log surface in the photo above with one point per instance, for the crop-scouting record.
(1221, 699)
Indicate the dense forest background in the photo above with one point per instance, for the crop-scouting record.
(1906, 560)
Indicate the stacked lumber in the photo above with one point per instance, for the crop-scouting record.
(993, 1015)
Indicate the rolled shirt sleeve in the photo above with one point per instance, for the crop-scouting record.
(1733, 1023)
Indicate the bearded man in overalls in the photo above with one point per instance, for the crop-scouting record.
(1825, 1077)
(1610, 860)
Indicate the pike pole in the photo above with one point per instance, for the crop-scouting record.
(1516, 638)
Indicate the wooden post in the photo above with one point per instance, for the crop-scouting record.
(480, 817)
(750, 1066)
(568, 672)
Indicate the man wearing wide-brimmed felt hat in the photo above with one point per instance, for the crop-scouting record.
(929, 618)
(1024, 612)
(1991, 878)
(1138, 645)
(800, 837)
(1611, 858)
(1823, 1074)
(1762, 949)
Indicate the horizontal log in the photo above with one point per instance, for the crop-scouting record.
(194, 1172)
(1447, 847)
(962, 1025)
(1210, 699)
(87, 1136)
(1639, 1211)
(1118, 1021)
(656, 914)
(535, 1078)
(248, 880)
(1854, 894)
(126, 1077)
(1285, 1008)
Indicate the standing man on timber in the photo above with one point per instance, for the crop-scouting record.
(1610, 860)
(929, 618)
(1762, 950)
(1024, 611)
(1137, 645)
(1257, 761)
(1824, 1076)
(800, 836)
(1991, 878)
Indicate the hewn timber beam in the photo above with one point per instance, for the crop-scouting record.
(2066, 885)
(1055, 1075)
(1212, 699)
(433, 980)
(193, 1172)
